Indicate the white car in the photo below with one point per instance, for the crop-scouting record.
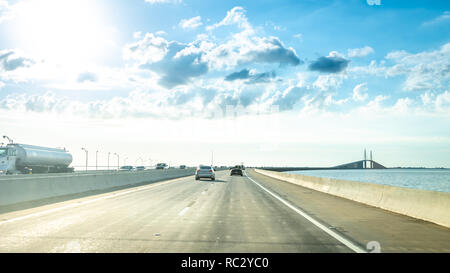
(205, 172)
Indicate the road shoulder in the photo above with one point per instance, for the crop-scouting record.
(362, 223)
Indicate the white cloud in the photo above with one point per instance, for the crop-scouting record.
(160, 33)
(403, 105)
(149, 49)
(242, 49)
(177, 63)
(299, 36)
(372, 69)
(192, 23)
(444, 17)
(427, 98)
(6, 12)
(437, 102)
(360, 52)
(236, 16)
(443, 102)
(373, 107)
(329, 82)
(424, 71)
(137, 35)
(11, 59)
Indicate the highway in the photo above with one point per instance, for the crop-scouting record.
(231, 214)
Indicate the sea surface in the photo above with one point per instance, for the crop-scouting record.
(423, 179)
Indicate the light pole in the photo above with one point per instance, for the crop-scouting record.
(96, 156)
(125, 161)
(108, 160)
(86, 157)
(117, 161)
(150, 162)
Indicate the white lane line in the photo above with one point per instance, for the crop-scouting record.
(183, 211)
(332, 233)
(80, 203)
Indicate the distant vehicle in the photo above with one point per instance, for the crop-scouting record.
(182, 166)
(140, 168)
(162, 166)
(205, 172)
(236, 170)
(126, 168)
(22, 158)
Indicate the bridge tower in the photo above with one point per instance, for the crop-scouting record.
(371, 161)
(365, 160)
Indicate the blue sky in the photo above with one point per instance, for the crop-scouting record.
(325, 79)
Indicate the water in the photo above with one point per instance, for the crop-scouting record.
(423, 179)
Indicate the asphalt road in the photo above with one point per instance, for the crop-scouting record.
(231, 214)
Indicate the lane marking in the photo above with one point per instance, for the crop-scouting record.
(80, 203)
(332, 233)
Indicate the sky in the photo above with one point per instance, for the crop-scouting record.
(266, 83)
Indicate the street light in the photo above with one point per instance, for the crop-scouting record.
(108, 160)
(125, 161)
(86, 157)
(96, 156)
(118, 164)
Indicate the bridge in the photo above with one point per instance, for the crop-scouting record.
(365, 163)
(169, 211)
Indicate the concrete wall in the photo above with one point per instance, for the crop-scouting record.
(426, 205)
(16, 189)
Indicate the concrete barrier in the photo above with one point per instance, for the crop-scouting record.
(432, 206)
(31, 188)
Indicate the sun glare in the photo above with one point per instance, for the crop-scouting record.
(63, 31)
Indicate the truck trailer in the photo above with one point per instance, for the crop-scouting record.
(22, 158)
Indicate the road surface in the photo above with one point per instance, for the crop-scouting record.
(231, 214)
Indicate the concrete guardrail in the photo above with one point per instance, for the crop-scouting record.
(23, 188)
(432, 206)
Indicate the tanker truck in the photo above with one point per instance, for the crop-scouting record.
(22, 158)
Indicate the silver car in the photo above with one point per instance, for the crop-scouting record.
(205, 172)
